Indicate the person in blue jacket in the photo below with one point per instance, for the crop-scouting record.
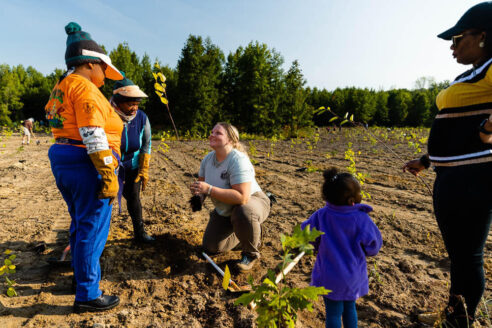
(135, 151)
(349, 236)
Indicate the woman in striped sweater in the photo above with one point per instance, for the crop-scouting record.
(460, 150)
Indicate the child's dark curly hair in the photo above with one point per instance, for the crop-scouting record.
(339, 188)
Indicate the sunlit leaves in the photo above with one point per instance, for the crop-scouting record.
(227, 278)
(6, 269)
(352, 169)
(276, 304)
(11, 292)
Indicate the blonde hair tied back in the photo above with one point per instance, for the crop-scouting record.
(233, 135)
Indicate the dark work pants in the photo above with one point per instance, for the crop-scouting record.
(131, 192)
(463, 208)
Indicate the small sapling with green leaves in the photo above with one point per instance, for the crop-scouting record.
(7, 269)
(276, 304)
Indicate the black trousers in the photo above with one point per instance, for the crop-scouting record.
(463, 208)
(131, 192)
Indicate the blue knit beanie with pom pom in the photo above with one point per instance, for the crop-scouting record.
(82, 49)
(78, 40)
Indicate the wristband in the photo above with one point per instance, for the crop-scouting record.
(209, 190)
(425, 161)
(482, 127)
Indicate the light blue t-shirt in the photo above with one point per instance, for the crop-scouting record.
(235, 169)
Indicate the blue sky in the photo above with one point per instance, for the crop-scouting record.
(378, 44)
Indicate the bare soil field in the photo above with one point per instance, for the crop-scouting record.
(169, 284)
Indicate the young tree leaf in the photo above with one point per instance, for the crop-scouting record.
(334, 118)
(12, 257)
(245, 299)
(155, 76)
(164, 100)
(227, 278)
(158, 87)
(7, 252)
(351, 118)
(343, 122)
(11, 292)
(346, 115)
(7, 262)
(162, 77)
(160, 94)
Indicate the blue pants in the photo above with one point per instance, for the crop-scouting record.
(338, 310)
(79, 183)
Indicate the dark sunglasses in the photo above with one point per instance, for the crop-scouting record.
(457, 38)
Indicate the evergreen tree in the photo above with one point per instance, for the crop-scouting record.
(398, 103)
(252, 88)
(197, 86)
(296, 113)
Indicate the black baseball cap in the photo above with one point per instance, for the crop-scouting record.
(477, 17)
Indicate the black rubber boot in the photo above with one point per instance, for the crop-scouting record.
(141, 237)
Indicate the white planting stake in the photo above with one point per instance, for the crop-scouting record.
(219, 270)
(289, 267)
(282, 274)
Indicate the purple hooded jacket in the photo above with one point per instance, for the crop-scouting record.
(350, 236)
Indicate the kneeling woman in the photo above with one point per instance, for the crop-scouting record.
(228, 177)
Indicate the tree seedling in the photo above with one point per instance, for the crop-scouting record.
(276, 304)
(7, 269)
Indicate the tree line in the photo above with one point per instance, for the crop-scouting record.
(248, 88)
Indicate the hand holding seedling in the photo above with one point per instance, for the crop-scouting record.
(199, 187)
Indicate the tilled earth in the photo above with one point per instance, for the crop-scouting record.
(169, 284)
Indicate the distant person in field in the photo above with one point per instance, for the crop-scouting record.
(135, 150)
(27, 127)
(84, 159)
(228, 178)
(460, 150)
(349, 236)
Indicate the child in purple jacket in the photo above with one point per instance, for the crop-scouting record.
(349, 236)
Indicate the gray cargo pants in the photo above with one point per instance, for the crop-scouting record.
(243, 226)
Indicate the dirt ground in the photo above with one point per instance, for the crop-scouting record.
(169, 284)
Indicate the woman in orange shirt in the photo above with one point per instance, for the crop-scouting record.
(84, 159)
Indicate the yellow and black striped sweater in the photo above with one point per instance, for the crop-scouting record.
(454, 137)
